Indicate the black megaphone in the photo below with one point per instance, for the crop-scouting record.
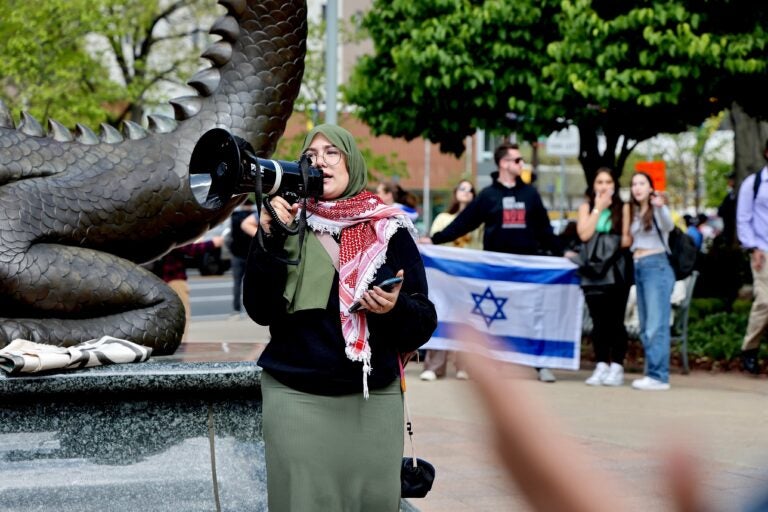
(224, 165)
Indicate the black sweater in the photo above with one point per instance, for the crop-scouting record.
(515, 221)
(306, 350)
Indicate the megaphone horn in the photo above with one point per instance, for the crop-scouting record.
(223, 165)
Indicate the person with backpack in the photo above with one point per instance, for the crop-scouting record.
(752, 231)
(650, 225)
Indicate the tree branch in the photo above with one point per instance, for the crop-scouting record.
(149, 40)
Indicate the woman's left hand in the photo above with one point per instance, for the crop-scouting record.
(378, 301)
(659, 199)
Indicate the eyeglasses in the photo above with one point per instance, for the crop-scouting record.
(464, 188)
(331, 156)
(517, 160)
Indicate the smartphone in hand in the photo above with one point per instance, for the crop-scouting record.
(385, 285)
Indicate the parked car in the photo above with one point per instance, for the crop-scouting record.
(218, 260)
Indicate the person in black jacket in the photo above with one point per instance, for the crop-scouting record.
(514, 217)
(332, 400)
(239, 243)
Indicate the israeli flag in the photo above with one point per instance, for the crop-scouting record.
(531, 307)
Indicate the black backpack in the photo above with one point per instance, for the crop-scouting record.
(681, 251)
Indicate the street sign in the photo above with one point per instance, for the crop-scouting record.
(657, 170)
(564, 143)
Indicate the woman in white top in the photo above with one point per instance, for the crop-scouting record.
(650, 225)
(436, 361)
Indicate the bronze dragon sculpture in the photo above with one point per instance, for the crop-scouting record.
(79, 212)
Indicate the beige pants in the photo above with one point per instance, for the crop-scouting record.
(181, 287)
(437, 361)
(758, 316)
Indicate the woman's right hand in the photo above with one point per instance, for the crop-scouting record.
(603, 199)
(285, 211)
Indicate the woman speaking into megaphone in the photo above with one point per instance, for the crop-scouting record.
(332, 403)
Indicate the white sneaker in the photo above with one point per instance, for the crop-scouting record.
(428, 375)
(601, 371)
(650, 384)
(462, 375)
(615, 376)
(546, 375)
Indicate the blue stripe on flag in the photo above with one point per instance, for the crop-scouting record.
(485, 271)
(531, 346)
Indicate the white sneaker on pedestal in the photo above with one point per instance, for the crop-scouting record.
(601, 371)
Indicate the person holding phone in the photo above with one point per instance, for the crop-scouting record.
(332, 403)
(605, 212)
(651, 223)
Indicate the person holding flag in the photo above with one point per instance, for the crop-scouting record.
(513, 214)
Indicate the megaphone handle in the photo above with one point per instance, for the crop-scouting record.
(271, 211)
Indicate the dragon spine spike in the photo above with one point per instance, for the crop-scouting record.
(109, 134)
(218, 53)
(30, 125)
(85, 135)
(6, 119)
(226, 27)
(161, 124)
(206, 81)
(134, 131)
(234, 6)
(186, 106)
(58, 131)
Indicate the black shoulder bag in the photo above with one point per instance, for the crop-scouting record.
(416, 475)
(597, 260)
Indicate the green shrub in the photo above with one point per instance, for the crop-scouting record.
(717, 336)
(703, 307)
(742, 306)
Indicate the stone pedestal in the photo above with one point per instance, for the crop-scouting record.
(155, 436)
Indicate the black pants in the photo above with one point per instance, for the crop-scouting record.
(609, 336)
(238, 270)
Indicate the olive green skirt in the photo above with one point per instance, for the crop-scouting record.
(332, 453)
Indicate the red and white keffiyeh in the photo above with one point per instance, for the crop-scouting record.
(366, 225)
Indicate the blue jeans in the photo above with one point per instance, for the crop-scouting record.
(655, 279)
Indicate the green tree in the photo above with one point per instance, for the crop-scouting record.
(625, 71)
(716, 181)
(92, 61)
(312, 96)
(45, 67)
(313, 90)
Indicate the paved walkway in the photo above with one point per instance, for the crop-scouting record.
(722, 416)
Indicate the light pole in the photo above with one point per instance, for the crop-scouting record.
(332, 36)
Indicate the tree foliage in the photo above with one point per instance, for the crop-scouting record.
(92, 61)
(45, 67)
(312, 96)
(625, 71)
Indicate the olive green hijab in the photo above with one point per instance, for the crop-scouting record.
(309, 283)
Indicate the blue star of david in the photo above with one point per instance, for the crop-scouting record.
(497, 302)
